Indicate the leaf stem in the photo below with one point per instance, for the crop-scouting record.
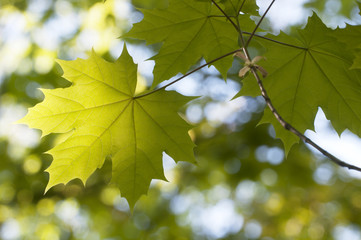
(253, 34)
(240, 32)
(240, 8)
(259, 23)
(236, 26)
(187, 74)
(275, 41)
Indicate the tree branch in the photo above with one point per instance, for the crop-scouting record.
(290, 128)
(253, 69)
(279, 118)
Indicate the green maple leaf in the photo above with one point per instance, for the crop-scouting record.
(150, 4)
(233, 7)
(103, 117)
(311, 72)
(189, 30)
(351, 35)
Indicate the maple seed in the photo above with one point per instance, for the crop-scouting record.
(248, 65)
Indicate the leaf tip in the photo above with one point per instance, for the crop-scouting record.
(49, 185)
(125, 52)
(22, 121)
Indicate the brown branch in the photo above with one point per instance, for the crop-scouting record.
(290, 128)
(279, 118)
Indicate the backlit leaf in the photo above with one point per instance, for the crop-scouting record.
(105, 118)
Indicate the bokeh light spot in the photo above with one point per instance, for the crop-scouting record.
(232, 166)
(316, 231)
(10, 230)
(274, 204)
(7, 192)
(292, 227)
(5, 213)
(108, 195)
(253, 229)
(269, 177)
(32, 164)
(45, 207)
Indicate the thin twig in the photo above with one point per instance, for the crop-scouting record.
(290, 128)
(240, 31)
(237, 27)
(187, 74)
(259, 23)
(253, 34)
(240, 8)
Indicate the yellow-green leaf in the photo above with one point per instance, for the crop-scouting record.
(105, 118)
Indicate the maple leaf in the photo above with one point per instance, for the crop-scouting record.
(190, 30)
(105, 118)
(234, 7)
(311, 70)
(350, 35)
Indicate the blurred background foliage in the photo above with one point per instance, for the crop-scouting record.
(242, 188)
